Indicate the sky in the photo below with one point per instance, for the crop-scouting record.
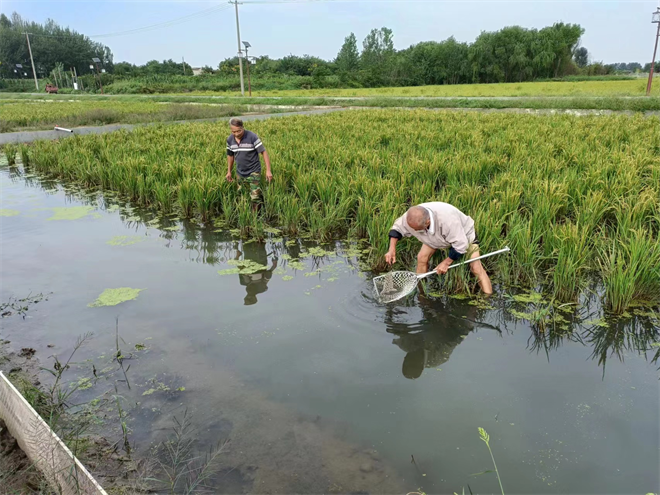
(615, 31)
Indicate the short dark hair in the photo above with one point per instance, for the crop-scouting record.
(236, 122)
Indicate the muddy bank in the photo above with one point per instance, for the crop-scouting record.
(18, 475)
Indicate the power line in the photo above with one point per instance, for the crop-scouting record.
(172, 22)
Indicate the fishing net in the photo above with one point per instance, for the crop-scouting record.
(394, 285)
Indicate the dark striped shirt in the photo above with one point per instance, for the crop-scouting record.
(246, 154)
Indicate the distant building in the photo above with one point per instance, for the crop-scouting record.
(197, 71)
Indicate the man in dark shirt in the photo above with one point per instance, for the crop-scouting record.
(243, 147)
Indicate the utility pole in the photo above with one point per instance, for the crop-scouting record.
(183, 64)
(247, 59)
(34, 71)
(240, 52)
(96, 61)
(656, 20)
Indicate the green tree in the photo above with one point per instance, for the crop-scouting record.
(347, 61)
(51, 44)
(376, 60)
(581, 57)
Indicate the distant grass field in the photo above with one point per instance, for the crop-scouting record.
(27, 110)
(634, 87)
(46, 113)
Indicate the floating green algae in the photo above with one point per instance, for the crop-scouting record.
(8, 213)
(229, 271)
(529, 298)
(125, 240)
(243, 267)
(297, 265)
(286, 278)
(73, 212)
(317, 251)
(112, 297)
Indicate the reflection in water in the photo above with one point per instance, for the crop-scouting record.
(429, 343)
(257, 282)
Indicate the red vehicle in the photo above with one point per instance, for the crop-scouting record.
(51, 89)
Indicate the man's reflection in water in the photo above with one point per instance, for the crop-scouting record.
(257, 282)
(430, 342)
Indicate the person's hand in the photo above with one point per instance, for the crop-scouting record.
(443, 267)
(228, 177)
(390, 257)
(269, 176)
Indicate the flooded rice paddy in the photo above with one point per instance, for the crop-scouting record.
(281, 348)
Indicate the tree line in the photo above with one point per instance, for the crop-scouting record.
(52, 47)
(512, 54)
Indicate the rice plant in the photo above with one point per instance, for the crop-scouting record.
(575, 198)
(44, 114)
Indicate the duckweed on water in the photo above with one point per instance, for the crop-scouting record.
(125, 240)
(73, 213)
(243, 267)
(229, 271)
(286, 278)
(112, 297)
(8, 213)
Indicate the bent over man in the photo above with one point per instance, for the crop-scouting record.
(439, 226)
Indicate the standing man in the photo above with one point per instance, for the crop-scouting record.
(243, 147)
(439, 226)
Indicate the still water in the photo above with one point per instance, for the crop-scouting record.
(317, 386)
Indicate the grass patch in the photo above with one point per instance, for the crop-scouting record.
(260, 105)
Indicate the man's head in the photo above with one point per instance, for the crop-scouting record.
(418, 218)
(236, 126)
(413, 364)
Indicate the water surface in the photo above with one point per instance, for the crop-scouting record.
(318, 387)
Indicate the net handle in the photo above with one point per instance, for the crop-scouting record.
(506, 248)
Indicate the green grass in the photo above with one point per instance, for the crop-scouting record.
(574, 197)
(632, 87)
(636, 104)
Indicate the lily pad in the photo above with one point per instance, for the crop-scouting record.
(8, 213)
(73, 213)
(112, 297)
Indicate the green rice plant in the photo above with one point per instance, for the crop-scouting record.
(564, 192)
(571, 247)
(24, 151)
(10, 151)
(631, 270)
